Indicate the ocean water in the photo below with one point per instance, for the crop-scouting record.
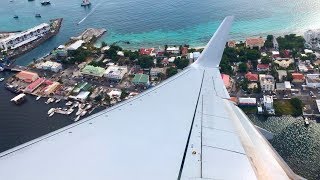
(153, 23)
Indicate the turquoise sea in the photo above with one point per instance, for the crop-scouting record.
(153, 23)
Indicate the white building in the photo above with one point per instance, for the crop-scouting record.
(313, 80)
(194, 56)
(173, 50)
(116, 72)
(74, 46)
(267, 82)
(49, 65)
(268, 102)
(25, 37)
(247, 101)
(155, 71)
(311, 35)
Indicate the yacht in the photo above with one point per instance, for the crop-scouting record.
(58, 100)
(15, 16)
(83, 113)
(38, 98)
(85, 3)
(38, 15)
(1, 79)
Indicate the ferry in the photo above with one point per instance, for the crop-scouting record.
(44, 3)
(85, 3)
(19, 98)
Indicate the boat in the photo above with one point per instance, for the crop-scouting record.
(44, 3)
(19, 98)
(69, 103)
(15, 16)
(89, 106)
(30, 0)
(85, 3)
(1, 69)
(38, 16)
(1, 79)
(51, 110)
(58, 100)
(79, 111)
(50, 100)
(38, 97)
(84, 112)
(51, 114)
(77, 118)
(12, 88)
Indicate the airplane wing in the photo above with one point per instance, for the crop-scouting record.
(184, 128)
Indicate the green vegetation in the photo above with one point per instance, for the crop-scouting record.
(265, 60)
(291, 41)
(181, 62)
(171, 71)
(269, 42)
(145, 62)
(78, 56)
(225, 66)
(243, 68)
(288, 107)
(249, 109)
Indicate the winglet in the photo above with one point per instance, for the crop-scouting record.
(212, 54)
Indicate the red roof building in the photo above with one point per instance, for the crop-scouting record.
(254, 42)
(148, 51)
(252, 77)
(27, 76)
(232, 44)
(263, 67)
(31, 87)
(297, 77)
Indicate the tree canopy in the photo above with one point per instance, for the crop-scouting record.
(291, 41)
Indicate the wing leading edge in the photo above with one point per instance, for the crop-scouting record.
(185, 128)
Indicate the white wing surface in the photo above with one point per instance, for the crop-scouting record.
(185, 128)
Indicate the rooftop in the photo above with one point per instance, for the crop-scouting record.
(93, 71)
(140, 78)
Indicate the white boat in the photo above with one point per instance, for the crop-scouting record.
(50, 100)
(51, 110)
(69, 103)
(58, 100)
(83, 113)
(79, 112)
(38, 98)
(77, 118)
(85, 3)
(89, 106)
(51, 114)
(1, 79)
(1, 69)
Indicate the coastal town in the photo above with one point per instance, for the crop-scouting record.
(269, 76)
